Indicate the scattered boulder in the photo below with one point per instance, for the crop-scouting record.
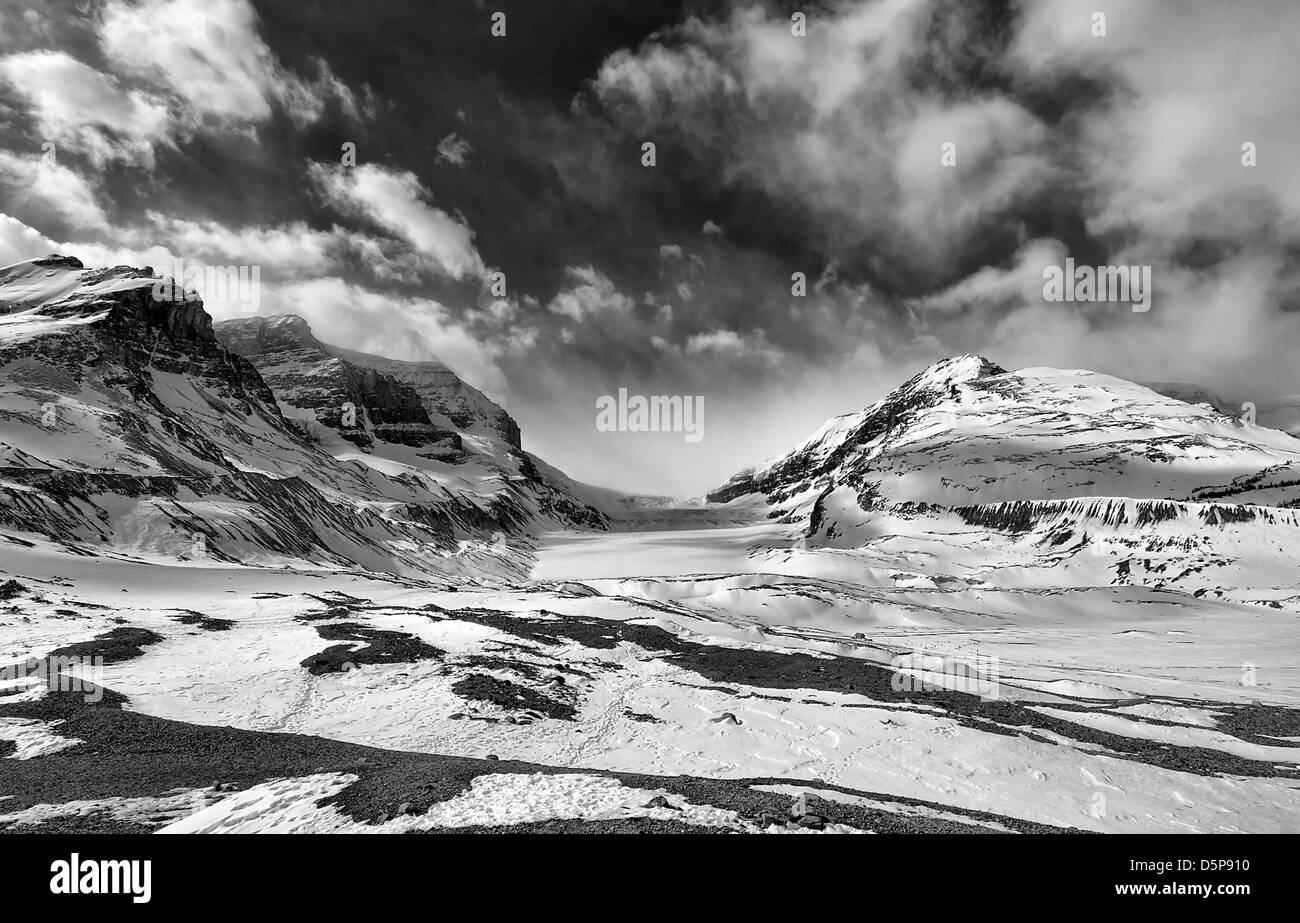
(659, 801)
(641, 716)
(799, 808)
(800, 815)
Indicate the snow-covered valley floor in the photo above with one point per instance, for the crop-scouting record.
(693, 679)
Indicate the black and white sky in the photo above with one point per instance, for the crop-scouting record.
(212, 131)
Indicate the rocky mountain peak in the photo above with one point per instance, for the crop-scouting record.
(362, 404)
(140, 304)
(269, 334)
(59, 260)
(953, 371)
(965, 431)
(466, 407)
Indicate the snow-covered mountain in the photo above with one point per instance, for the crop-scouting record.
(1061, 461)
(966, 431)
(417, 417)
(464, 407)
(128, 427)
(412, 403)
(1190, 393)
(362, 405)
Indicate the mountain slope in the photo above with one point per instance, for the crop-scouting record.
(1004, 476)
(966, 431)
(126, 427)
(415, 418)
(304, 374)
(465, 407)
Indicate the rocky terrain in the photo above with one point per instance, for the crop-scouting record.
(304, 375)
(464, 407)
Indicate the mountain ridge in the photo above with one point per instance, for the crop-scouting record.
(129, 428)
(1069, 466)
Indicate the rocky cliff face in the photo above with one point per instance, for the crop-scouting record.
(362, 404)
(306, 373)
(464, 406)
(95, 352)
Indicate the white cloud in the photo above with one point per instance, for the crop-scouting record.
(397, 202)
(206, 51)
(293, 246)
(656, 78)
(291, 250)
(835, 126)
(209, 54)
(454, 149)
(416, 329)
(993, 288)
(39, 187)
(590, 293)
(18, 242)
(728, 344)
(175, 67)
(79, 108)
(1135, 137)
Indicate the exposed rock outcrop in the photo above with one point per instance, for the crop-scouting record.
(362, 404)
(466, 407)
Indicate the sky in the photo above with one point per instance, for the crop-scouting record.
(919, 162)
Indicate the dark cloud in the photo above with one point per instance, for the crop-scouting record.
(212, 130)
